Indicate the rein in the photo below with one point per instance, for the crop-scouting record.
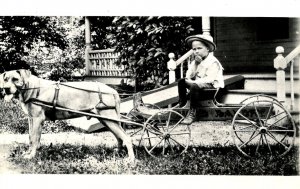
(63, 84)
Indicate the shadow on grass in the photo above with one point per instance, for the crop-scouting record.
(74, 159)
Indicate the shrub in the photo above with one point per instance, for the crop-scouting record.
(65, 71)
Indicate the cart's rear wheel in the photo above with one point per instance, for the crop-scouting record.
(135, 131)
(163, 135)
(263, 127)
(259, 97)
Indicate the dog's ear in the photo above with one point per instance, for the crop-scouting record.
(25, 74)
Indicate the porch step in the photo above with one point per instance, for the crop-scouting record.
(259, 91)
(267, 82)
(263, 83)
(237, 95)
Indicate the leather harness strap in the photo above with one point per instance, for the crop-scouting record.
(100, 96)
(55, 96)
(101, 105)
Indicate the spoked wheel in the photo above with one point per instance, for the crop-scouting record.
(259, 97)
(163, 135)
(135, 131)
(263, 127)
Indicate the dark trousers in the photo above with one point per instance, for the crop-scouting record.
(195, 92)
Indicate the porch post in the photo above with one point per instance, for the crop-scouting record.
(87, 44)
(280, 64)
(206, 25)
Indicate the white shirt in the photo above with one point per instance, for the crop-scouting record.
(209, 70)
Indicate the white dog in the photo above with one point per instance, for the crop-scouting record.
(90, 97)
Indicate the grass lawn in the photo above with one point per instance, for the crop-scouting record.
(65, 151)
(217, 160)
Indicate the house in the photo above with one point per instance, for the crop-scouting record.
(246, 46)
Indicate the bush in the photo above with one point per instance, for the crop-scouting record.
(144, 44)
(65, 71)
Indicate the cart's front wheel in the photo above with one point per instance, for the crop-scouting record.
(263, 127)
(163, 135)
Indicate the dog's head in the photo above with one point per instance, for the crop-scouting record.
(13, 81)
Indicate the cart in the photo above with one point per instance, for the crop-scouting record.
(261, 125)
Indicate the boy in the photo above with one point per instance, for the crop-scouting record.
(204, 72)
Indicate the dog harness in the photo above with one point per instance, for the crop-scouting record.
(100, 106)
(55, 96)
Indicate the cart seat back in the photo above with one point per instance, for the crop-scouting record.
(208, 98)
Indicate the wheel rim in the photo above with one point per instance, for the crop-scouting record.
(259, 97)
(164, 136)
(263, 127)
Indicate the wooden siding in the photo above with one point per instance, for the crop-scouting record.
(239, 50)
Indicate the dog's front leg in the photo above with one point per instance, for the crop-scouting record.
(35, 131)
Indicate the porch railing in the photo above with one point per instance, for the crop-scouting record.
(103, 63)
(172, 64)
(281, 63)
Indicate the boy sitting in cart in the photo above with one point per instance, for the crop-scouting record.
(204, 72)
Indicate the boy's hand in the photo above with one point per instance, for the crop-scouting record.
(198, 59)
(189, 82)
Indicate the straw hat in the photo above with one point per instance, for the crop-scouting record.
(207, 39)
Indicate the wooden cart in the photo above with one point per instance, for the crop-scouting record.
(260, 125)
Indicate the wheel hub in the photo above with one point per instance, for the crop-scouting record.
(263, 130)
(167, 136)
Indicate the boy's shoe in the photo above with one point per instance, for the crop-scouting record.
(190, 118)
